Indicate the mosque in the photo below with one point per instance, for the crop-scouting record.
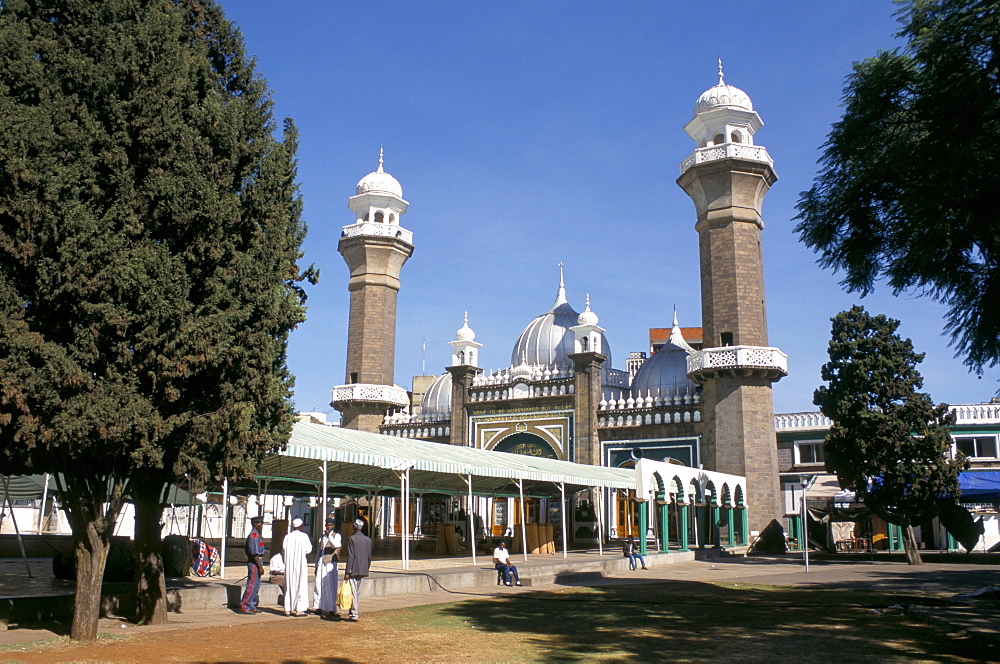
(702, 399)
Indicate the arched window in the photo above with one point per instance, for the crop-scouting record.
(583, 344)
(736, 137)
(719, 139)
(392, 218)
(379, 217)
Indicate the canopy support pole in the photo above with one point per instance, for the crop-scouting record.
(600, 524)
(45, 497)
(20, 542)
(524, 533)
(225, 512)
(326, 509)
(472, 520)
(562, 516)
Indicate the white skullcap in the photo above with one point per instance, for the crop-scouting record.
(296, 522)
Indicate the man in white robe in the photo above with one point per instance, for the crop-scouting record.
(327, 554)
(295, 549)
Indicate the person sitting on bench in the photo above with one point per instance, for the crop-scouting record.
(501, 560)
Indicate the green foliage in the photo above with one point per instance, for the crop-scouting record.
(889, 442)
(909, 189)
(149, 246)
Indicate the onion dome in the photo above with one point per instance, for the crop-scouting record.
(723, 96)
(465, 332)
(548, 340)
(380, 182)
(665, 373)
(437, 398)
(588, 317)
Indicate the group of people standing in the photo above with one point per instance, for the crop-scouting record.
(295, 552)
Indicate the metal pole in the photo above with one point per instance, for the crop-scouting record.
(472, 521)
(326, 509)
(805, 531)
(599, 494)
(225, 510)
(562, 515)
(524, 530)
(45, 497)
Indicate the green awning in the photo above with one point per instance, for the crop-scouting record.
(360, 460)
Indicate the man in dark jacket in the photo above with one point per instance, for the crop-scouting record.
(254, 548)
(359, 560)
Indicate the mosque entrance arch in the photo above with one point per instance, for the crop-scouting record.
(527, 444)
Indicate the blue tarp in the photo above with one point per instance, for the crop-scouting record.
(979, 486)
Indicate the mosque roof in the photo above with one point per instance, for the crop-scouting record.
(437, 398)
(548, 340)
(665, 373)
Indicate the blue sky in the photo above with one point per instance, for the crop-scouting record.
(529, 133)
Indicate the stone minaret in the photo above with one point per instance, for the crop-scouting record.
(727, 177)
(375, 247)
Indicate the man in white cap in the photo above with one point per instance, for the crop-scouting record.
(359, 559)
(327, 555)
(295, 549)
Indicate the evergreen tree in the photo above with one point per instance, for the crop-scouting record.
(149, 245)
(910, 181)
(889, 442)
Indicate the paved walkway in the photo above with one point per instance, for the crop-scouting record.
(930, 589)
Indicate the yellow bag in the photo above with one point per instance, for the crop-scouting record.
(345, 596)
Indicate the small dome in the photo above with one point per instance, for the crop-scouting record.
(665, 373)
(588, 317)
(380, 182)
(465, 332)
(437, 398)
(722, 96)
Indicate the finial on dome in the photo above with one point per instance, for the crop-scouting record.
(675, 316)
(588, 317)
(380, 147)
(561, 293)
(721, 82)
(465, 332)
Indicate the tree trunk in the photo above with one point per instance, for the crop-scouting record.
(910, 544)
(91, 556)
(150, 588)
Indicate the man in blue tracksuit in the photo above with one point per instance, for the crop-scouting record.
(254, 548)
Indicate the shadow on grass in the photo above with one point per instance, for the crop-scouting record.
(694, 621)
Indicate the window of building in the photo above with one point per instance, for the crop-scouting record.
(726, 338)
(977, 447)
(809, 452)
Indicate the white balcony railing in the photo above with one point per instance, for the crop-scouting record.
(378, 230)
(388, 394)
(727, 151)
(738, 357)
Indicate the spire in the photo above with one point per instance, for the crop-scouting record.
(561, 293)
(380, 147)
(721, 82)
(675, 316)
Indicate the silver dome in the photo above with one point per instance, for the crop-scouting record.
(548, 340)
(665, 373)
(437, 398)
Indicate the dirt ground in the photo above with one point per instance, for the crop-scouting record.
(658, 621)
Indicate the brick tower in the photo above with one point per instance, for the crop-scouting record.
(375, 248)
(727, 177)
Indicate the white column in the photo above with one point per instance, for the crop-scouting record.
(225, 511)
(524, 530)
(472, 520)
(562, 515)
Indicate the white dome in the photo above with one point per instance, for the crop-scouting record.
(665, 373)
(725, 96)
(437, 398)
(588, 317)
(379, 181)
(465, 333)
(548, 340)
